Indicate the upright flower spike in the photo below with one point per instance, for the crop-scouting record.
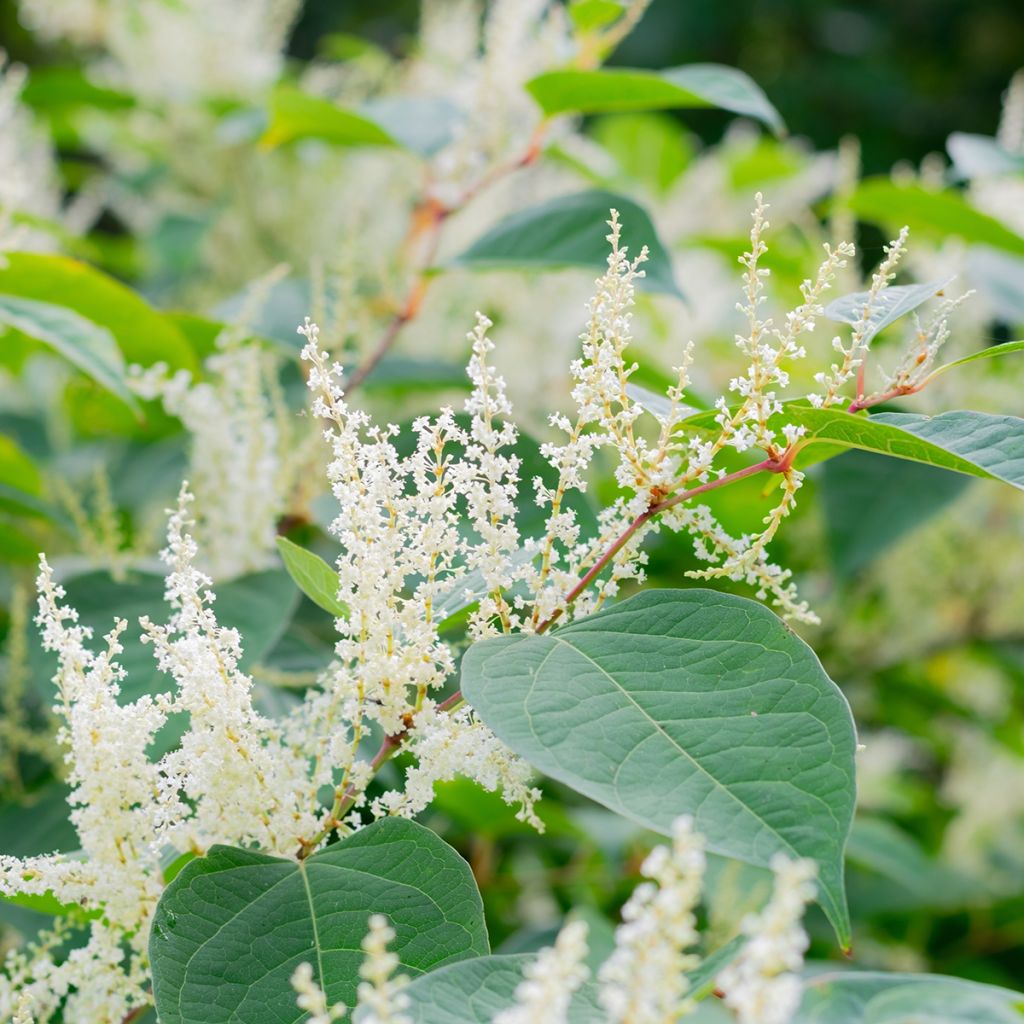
(855, 353)
(309, 996)
(644, 980)
(380, 992)
(233, 775)
(550, 981)
(762, 985)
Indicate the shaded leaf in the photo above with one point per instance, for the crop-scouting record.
(570, 231)
(870, 501)
(473, 991)
(875, 998)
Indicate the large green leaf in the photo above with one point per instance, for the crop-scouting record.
(473, 991)
(875, 998)
(81, 342)
(142, 334)
(618, 89)
(232, 927)
(571, 231)
(930, 214)
(297, 115)
(685, 702)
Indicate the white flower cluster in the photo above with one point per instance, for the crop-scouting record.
(189, 48)
(237, 467)
(458, 743)
(380, 992)
(644, 980)
(311, 998)
(28, 171)
(550, 980)
(231, 780)
(519, 39)
(855, 352)
(762, 985)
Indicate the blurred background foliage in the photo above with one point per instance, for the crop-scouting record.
(918, 576)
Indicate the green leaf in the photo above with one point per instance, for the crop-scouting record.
(17, 470)
(232, 927)
(887, 308)
(1007, 348)
(84, 344)
(570, 231)
(142, 334)
(473, 991)
(588, 15)
(684, 702)
(313, 576)
(38, 824)
(47, 903)
(871, 501)
(875, 998)
(992, 445)
(975, 443)
(619, 89)
(297, 115)
(930, 214)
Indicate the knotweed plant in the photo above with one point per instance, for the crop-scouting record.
(431, 526)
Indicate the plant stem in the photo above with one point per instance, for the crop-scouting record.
(617, 545)
(429, 217)
(392, 743)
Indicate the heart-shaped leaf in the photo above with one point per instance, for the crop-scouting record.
(232, 927)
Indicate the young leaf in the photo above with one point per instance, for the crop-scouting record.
(570, 231)
(313, 576)
(232, 927)
(297, 115)
(876, 998)
(930, 214)
(473, 991)
(890, 305)
(1007, 348)
(619, 89)
(668, 704)
(84, 344)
